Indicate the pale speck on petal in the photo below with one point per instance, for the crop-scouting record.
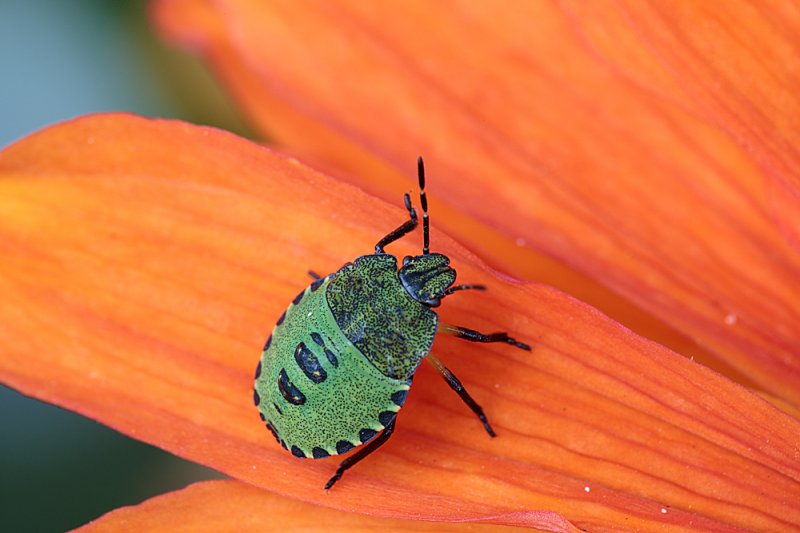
(521, 241)
(731, 319)
(587, 488)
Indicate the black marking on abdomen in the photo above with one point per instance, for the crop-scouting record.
(266, 344)
(316, 337)
(256, 398)
(298, 298)
(297, 452)
(258, 370)
(315, 285)
(272, 430)
(282, 318)
(366, 435)
(275, 405)
(343, 446)
(319, 453)
(386, 417)
(290, 393)
(309, 364)
(332, 358)
(399, 397)
(263, 418)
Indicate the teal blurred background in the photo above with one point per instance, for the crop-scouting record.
(60, 59)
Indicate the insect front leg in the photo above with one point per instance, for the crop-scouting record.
(469, 286)
(406, 228)
(476, 336)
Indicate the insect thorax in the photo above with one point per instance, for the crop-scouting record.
(374, 311)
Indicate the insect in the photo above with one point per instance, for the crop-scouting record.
(339, 363)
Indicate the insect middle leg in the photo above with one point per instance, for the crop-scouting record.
(406, 228)
(456, 385)
(368, 448)
(476, 336)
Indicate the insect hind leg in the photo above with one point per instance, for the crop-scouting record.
(368, 448)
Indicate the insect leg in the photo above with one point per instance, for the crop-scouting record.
(476, 336)
(456, 385)
(472, 286)
(407, 227)
(368, 448)
(314, 275)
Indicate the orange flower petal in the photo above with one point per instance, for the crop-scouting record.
(649, 146)
(146, 261)
(232, 505)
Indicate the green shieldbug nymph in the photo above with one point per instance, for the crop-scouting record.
(338, 365)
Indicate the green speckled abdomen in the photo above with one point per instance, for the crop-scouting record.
(338, 365)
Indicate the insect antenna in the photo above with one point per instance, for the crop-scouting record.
(423, 200)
